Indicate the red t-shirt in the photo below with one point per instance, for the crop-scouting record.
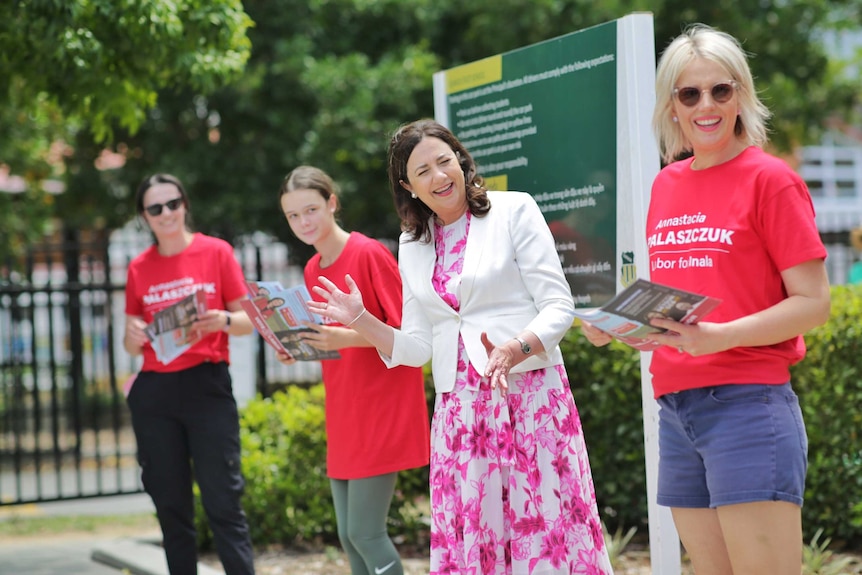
(728, 232)
(154, 282)
(376, 418)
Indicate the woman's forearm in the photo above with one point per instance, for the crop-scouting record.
(377, 333)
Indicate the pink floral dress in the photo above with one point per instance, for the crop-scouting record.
(511, 488)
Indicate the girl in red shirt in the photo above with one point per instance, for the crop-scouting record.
(376, 418)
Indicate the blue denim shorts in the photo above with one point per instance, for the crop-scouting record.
(731, 444)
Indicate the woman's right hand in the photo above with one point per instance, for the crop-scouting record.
(338, 305)
(135, 332)
(134, 338)
(285, 358)
(594, 335)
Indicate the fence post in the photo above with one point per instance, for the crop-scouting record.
(71, 259)
(262, 385)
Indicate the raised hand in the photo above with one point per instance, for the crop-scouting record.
(338, 305)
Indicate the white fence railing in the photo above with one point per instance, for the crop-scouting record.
(834, 177)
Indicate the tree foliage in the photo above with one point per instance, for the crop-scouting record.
(87, 68)
(789, 63)
(104, 61)
(327, 81)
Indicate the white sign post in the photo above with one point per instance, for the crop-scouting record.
(637, 165)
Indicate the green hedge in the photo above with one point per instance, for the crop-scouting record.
(287, 496)
(606, 386)
(829, 384)
(607, 389)
(287, 493)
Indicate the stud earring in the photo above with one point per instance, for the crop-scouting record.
(675, 119)
(412, 195)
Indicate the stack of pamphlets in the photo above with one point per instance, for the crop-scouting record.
(627, 316)
(279, 314)
(170, 332)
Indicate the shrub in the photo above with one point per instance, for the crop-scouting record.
(284, 462)
(606, 386)
(607, 389)
(283, 444)
(287, 494)
(829, 384)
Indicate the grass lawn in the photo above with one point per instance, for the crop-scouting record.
(15, 526)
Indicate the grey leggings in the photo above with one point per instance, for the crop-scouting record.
(361, 508)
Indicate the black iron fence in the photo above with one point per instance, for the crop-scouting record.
(65, 430)
(63, 424)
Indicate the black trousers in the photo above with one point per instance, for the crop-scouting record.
(186, 425)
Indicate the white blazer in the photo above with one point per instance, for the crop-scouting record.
(512, 280)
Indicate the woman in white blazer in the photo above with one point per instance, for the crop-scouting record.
(485, 299)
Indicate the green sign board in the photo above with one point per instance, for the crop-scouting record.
(543, 119)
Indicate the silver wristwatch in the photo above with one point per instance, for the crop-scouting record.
(525, 347)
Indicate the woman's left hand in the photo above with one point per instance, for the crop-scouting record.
(500, 361)
(699, 339)
(211, 321)
(326, 337)
(594, 335)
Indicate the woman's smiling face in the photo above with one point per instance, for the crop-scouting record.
(309, 215)
(169, 222)
(435, 175)
(708, 125)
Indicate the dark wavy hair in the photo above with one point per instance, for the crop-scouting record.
(415, 215)
(155, 179)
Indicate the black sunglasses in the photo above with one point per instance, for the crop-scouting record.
(690, 96)
(172, 205)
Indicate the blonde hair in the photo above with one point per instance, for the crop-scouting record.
(702, 41)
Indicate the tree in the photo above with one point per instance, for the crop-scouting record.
(326, 83)
(89, 67)
(104, 61)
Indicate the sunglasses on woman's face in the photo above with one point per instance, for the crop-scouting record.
(172, 205)
(689, 96)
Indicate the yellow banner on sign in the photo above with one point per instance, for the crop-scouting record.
(474, 74)
(498, 183)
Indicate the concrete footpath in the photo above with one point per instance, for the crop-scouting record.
(96, 554)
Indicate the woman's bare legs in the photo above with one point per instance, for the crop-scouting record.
(743, 539)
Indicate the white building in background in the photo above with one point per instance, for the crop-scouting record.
(833, 169)
(833, 172)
